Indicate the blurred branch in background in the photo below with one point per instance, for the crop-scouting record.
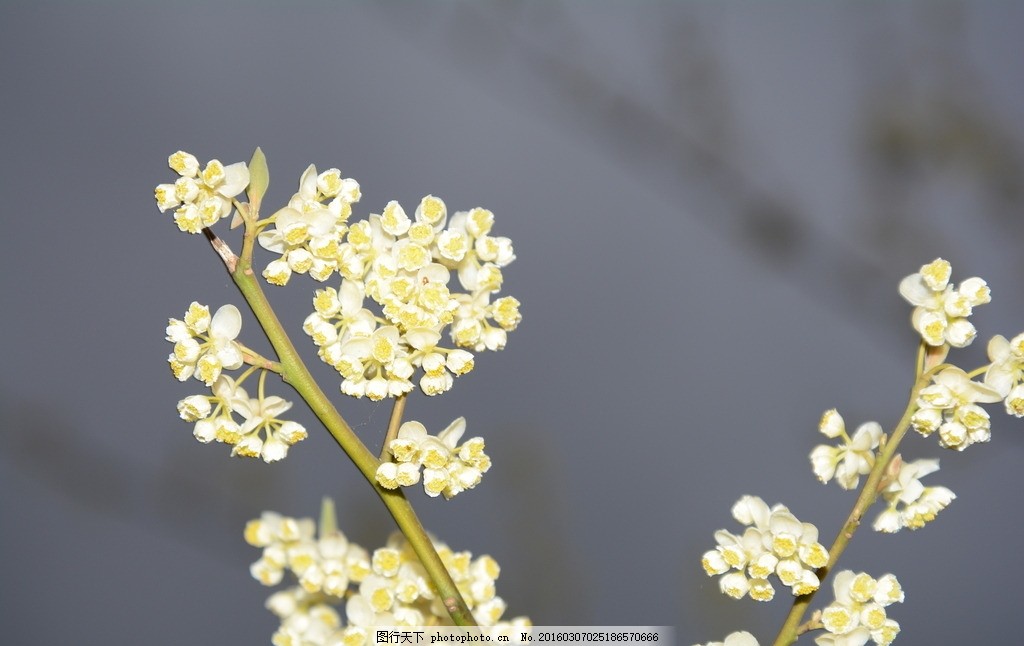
(679, 133)
(929, 123)
(182, 501)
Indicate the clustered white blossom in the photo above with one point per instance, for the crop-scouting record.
(200, 198)
(858, 612)
(404, 265)
(911, 504)
(448, 468)
(344, 592)
(307, 233)
(949, 405)
(738, 638)
(1005, 374)
(775, 542)
(203, 347)
(853, 458)
(940, 312)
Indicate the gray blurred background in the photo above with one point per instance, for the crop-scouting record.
(711, 204)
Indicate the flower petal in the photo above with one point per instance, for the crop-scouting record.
(226, 323)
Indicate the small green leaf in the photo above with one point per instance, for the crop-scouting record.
(259, 179)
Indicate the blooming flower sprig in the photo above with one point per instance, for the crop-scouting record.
(940, 312)
(853, 458)
(448, 468)
(204, 345)
(1005, 373)
(337, 578)
(407, 268)
(200, 198)
(858, 613)
(738, 638)
(949, 405)
(775, 542)
(911, 504)
(946, 401)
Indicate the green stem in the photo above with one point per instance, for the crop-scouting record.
(296, 374)
(868, 494)
(393, 425)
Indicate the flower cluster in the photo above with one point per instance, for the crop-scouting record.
(204, 345)
(308, 231)
(858, 612)
(405, 266)
(200, 198)
(853, 458)
(388, 587)
(1005, 374)
(949, 405)
(775, 542)
(261, 432)
(448, 468)
(940, 312)
(911, 504)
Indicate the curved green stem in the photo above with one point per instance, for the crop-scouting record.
(868, 494)
(294, 371)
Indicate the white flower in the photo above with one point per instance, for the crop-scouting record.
(853, 458)
(1005, 374)
(1015, 401)
(432, 211)
(911, 504)
(940, 312)
(949, 405)
(739, 638)
(194, 408)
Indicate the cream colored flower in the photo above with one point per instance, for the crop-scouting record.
(949, 405)
(910, 503)
(1005, 374)
(853, 458)
(940, 312)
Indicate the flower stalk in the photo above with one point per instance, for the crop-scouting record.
(294, 372)
(869, 493)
